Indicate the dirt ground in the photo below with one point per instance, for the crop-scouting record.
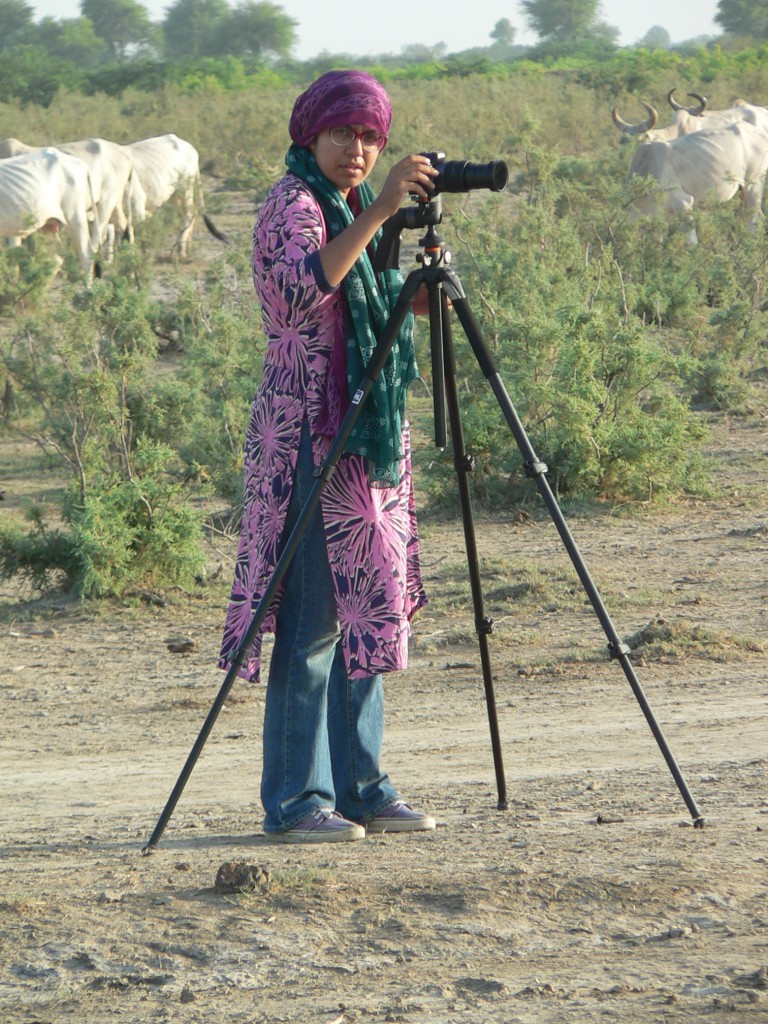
(591, 898)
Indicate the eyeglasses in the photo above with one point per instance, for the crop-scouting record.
(345, 136)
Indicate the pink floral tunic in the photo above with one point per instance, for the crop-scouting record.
(371, 532)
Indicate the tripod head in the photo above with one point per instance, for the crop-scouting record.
(423, 215)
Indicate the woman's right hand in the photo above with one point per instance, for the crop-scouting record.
(412, 174)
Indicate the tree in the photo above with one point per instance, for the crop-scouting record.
(420, 53)
(656, 38)
(602, 32)
(254, 29)
(504, 32)
(71, 39)
(190, 24)
(120, 23)
(748, 18)
(562, 20)
(16, 23)
(32, 75)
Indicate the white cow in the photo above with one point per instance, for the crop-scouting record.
(687, 120)
(168, 167)
(14, 147)
(44, 189)
(711, 164)
(111, 171)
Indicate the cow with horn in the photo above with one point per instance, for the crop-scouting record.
(712, 164)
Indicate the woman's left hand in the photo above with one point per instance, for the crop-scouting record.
(420, 301)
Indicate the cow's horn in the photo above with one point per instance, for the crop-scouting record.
(636, 129)
(698, 111)
(694, 111)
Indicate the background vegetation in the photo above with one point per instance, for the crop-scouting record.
(612, 337)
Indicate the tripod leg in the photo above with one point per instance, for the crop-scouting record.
(537, 470)
(436, 328)
(483, 624)
(372, 371)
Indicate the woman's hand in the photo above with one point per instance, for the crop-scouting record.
(420, 301)
(412, 174)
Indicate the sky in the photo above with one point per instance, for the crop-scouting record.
(329, 25)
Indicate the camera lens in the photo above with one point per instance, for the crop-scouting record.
(493, 176)
(462, 176)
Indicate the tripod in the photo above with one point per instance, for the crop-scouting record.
(443, 286)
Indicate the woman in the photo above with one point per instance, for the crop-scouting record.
(341, 616)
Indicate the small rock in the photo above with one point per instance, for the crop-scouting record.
(182, 645)
(240, 876)
(653, 632)
(111, 896)
(757, 979)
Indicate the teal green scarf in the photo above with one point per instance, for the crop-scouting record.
(378, 431)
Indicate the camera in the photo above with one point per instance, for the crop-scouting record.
(463, 176)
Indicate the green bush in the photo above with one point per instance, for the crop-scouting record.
(137, 532)
(124, 534)
(600, 396)
(26, 273)
(44, 556)
(200, 404)
(126, 515)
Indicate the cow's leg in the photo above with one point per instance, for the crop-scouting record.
(122, 226)
(94, 235)
(109, 242)
(753, 202)
(681, 205)
(81, 233)
(188, 212)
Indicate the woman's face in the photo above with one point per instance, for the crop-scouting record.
(345, 166)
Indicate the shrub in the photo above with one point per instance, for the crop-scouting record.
(43, 556)
(137, 532)
(26, 272)
(596, 388)
(126, 516)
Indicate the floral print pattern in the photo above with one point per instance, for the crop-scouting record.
(371, 532)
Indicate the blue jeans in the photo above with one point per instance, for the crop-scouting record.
(322, 730)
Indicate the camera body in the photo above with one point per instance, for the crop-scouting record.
(463, 176)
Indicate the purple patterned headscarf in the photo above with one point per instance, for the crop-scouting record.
(340, 97)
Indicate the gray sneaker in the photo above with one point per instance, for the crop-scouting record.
(321, 826)
(400, 817)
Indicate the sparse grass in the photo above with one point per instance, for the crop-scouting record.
(657, 641)
(298, 879)
(661, 638)
(24, 905)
